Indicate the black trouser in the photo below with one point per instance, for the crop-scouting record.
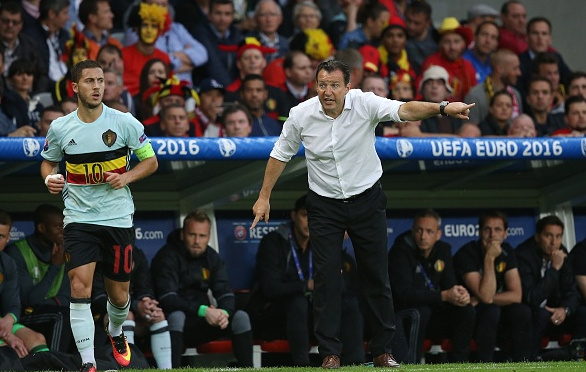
(364, 218)
(447, 320)
(574, 324)
(513, 320)
(197, 330)
(291, 317)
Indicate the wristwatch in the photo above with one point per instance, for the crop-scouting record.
(567, 311)
(442, 107)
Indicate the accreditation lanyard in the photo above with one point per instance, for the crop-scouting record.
(296, 259)
(430, 285)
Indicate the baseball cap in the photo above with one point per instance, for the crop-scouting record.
(434, 73)
(480, 10)
(208, 84)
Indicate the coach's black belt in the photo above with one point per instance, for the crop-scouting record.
(353, 198)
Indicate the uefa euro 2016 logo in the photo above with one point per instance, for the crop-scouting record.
(31, 147)
(227, 147)
(240, 232)
(404, 148)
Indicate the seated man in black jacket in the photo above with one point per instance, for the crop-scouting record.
(285, 277)
(183, 271)
(422, 276)
(549, 286)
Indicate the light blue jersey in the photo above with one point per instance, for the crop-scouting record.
(89, 150)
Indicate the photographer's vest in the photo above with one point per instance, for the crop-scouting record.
(37, 268)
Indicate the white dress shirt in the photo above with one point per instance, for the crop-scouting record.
(340, 153)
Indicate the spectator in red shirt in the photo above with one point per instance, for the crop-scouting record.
(148, 21)
(575, 118)
(453, 41)
(513, 20)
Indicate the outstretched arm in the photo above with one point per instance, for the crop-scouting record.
(417, 110)
(262, 207)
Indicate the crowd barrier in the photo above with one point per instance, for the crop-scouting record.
(259, 148)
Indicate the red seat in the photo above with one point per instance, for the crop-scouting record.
(275, 346)
(215, 347)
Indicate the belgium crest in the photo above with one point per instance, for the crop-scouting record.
(109, 137)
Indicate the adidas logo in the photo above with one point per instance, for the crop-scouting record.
(72, 143)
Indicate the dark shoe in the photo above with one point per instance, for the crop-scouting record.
(385, 360)
(120, 348)
(87, 367)
(331, 362)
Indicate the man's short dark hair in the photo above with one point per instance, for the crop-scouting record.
(485, 23)
(252, 77)
(486, 215)
(372, 10)
(55, 5)
(574, 76)
(5, 218)
(334, 65)
(289, 60)
(300, 203)
(77, 70)
(571, 101)
(87, 8)
(43, 212)
(213, 3)
(53, 108)
(22, 66)
(417, 7)
(12, 7)
(428, 213)
(197, 216)
(548, 221)
(538, 78)
(110, 48)
(535, 20)
(505, 6)
(166, 109)
(234, 107)
(546, 58)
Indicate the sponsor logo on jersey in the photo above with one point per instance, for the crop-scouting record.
(109, 137)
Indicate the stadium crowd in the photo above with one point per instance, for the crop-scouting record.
(202, 57)
(221, 68)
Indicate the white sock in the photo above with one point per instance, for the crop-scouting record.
(116, 316)
(161, 344)
(128, 328)
(83, 329)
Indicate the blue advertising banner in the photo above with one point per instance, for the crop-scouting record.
(238, 246)
(21, 228)
(151, 231)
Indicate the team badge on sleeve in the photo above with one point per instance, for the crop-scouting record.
(46, 145)
(142, 138)
(109, 137)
